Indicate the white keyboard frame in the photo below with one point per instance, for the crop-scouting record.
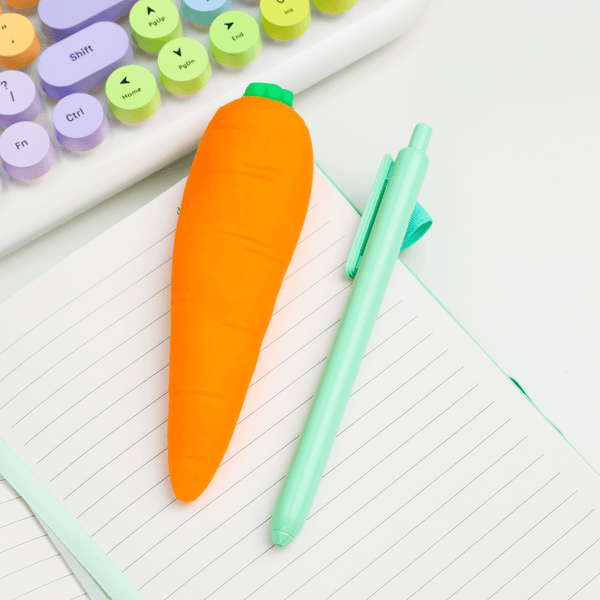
(78, 182)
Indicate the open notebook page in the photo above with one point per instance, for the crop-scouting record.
(444, 482)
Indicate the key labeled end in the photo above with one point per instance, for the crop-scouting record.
(133, 94)
(184, 66)
(26, 151)
(235, 39)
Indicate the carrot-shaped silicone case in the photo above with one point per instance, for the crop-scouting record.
(242, 212)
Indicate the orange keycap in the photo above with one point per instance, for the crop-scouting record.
(19, 42)
(22, 4)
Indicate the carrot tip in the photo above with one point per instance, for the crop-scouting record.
(189, 478)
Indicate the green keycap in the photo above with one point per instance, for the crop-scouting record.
(284, 19)
(235, 39)
(132, 93)
(333, 7)
(184, 66)
(154, 23)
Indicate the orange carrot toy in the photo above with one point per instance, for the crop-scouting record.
(242, 212)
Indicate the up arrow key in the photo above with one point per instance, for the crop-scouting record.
(178, 52)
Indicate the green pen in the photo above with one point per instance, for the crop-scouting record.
(372, 259)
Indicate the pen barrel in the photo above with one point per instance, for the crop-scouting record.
(339, 375)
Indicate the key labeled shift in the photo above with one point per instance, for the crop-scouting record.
(235, 39)
(19, 98)
(184, 66)
(84, 60)
(154, 23)
(62, 18)
(133, 94)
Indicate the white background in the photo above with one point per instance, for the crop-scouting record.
(512, 91)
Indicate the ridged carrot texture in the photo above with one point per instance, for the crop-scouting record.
(242, 212)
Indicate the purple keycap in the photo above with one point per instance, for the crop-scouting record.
(79, 122)
(62, 18)
(26, 150)
(19, 98)
(85, 60)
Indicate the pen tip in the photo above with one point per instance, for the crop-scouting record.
(420, 137)
(281, 538)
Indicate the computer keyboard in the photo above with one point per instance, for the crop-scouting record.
(97, 94)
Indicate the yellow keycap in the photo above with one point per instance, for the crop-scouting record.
(284, 19)
(333, 7)
(19, 42)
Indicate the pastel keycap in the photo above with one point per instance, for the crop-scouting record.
(79, 122)
(26, 151)
(235, 39)
(19, 42)
(204, 12)
(133, 94)
(19, 98)
(84, 60)
(284, 19)
(22, 4)
(333, 7)
(154, 23)
(62, 18)
(184, 66)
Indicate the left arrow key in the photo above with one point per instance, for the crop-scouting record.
(84, 60)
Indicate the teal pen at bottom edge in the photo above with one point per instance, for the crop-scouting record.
(339, 375)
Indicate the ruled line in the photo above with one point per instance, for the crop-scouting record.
(211, 532)
(503, 552)
(218, 557)
(309, 288)
(121, 482)
(17, 521)
(113, 459)
(100, 413)
(39, 537)
(564, 568)
(584, 586)
(95, 390)
(84, 343)
(391, 336)
(539, 555)
(80, 373)
(85, 292)
(378, 494)
(295, 352)
(306, 317)
(313, 233)
(108, 435)
(313, 258)
(31, 565)
(43, 586)
(10, 500)
(408, 502)
(207, 505)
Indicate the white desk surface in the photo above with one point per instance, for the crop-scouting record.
(512, 91)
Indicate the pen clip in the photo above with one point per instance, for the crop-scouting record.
(368, 218)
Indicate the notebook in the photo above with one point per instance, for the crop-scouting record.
(444, 481)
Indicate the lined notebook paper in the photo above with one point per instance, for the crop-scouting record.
(444, 482)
